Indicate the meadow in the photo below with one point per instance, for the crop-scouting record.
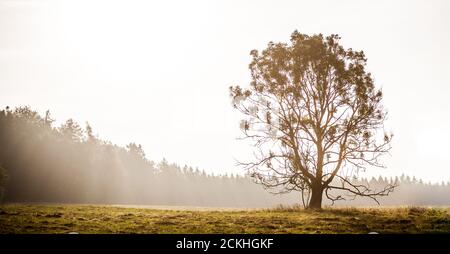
(95, 219)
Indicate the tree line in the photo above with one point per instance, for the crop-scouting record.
(41, 162)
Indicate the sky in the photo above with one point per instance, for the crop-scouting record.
(157, 72)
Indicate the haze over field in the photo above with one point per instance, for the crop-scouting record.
(67, 164)
(158, 73)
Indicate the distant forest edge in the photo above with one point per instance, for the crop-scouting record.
(69, 164)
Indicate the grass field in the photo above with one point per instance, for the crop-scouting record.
(21, 218)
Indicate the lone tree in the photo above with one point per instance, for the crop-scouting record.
(315, 118)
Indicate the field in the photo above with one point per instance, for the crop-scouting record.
(63, 219)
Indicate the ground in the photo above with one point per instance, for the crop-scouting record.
(26, 218)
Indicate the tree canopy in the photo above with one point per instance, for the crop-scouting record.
(315, 117)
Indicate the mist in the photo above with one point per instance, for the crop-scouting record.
(45, 163)
(159, 72)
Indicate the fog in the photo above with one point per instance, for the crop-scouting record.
(68, 163)
(152, 79)
(157, 72)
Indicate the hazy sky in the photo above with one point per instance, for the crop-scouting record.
(157, 72)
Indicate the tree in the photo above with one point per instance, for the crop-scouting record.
(315, 118)
(48, 120)
(90, 137)
(136, 150)
(71, 130)
(3, 179)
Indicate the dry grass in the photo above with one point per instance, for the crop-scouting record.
(20, 218)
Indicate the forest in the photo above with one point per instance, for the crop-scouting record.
(43, 163)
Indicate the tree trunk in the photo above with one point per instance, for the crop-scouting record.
(316, 197)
